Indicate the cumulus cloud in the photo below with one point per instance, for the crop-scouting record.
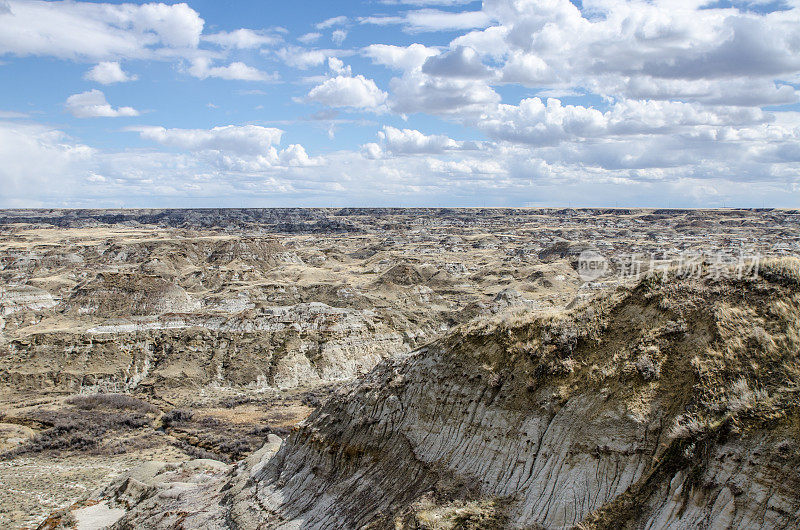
(353, 92)
(463, 62)
(394, 141)
(337, 67)
(528, 69)
(243, 140)
(669, 100)
(86, 30)
(295, 156)
(400, 57)
(631, 48)
(744, 91)
(536, 122)
(435, 82)
(79, 175)
(418, 92)
(93, 104)
(107, 73)
(245, 148)
(491, 41)
(301, 58)
(202, 68)
(242, 39)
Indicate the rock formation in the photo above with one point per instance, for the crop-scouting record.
(671, 404)
(187, 338)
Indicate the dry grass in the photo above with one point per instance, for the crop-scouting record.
(111, 401)
(787, 268)
(722, 352)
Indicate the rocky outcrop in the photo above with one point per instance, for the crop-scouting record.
(671, 405)
(24, 298)
(279, 347)
(131, 294)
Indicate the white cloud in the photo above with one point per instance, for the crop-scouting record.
(209, 173)
(745, 91)
(39, 163)
(242, 140)
(418, 92)
(337, 67)
(462, 62)
(528, 69)
(331, 22)
(301, 58)
(411, 142)
(242, 39)
(538, 123)
(202, 69)
(84, 30)
(670, 107)
(246, 148)
(430, 20)
(309, 38)
(338, 36)
(371, 151)
(659, 49)
(490, 42)
(107, 73)
(344, 91)
(400, 57)
(295, 156)
(93, 104)
(11, 115)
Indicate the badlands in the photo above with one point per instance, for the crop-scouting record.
(399, 368)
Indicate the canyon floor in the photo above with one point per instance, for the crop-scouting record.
(425, 368)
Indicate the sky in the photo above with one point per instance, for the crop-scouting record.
(677, 103)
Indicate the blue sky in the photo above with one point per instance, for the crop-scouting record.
(400, 103)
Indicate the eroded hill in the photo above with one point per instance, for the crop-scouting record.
(674, 403)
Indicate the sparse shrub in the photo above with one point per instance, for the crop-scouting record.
(133, 421)
(235, 401)
(81, 430)
(177, 416)
(237, 449)
(686, 427)
(208, 421)
(128, 445)
(762, 339)
(264, 430)
(742, 398)
(66, 435)
(111, 401)
(563, 334)
(199, 452)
